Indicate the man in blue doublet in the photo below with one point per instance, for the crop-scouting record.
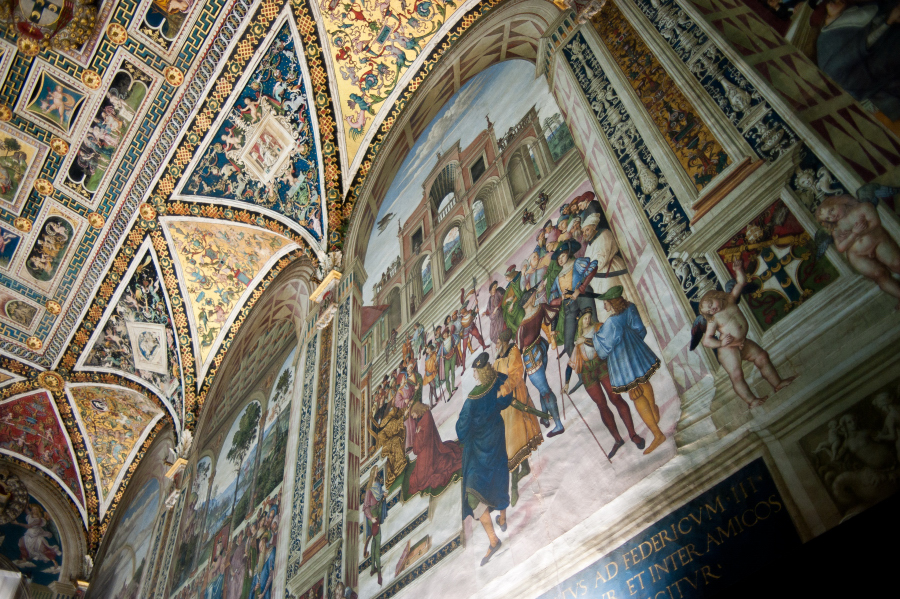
(481, 431)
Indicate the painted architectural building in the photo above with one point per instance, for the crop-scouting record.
(499, 298)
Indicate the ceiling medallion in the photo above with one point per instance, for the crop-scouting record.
(147, 211)
(55, 24)
(28, 47)
(96, 220)
(59, 146)
(91, 79)
(33, 343)
(173, 75)
(117, 34)
(43, 187)
(53, 307)
(23, 224)
(5, 113)
(50, 380)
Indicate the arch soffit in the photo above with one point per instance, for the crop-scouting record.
(295, 279)
(444, 182)
(486, 188)
(154, 458)
(536, 14)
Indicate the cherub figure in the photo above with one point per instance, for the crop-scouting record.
(720, 315)
(856, 230)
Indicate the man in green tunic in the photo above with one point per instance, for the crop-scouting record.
(513, 313)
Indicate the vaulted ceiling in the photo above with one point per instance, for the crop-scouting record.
(154, 180)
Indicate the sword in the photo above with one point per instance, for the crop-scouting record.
(529, 410)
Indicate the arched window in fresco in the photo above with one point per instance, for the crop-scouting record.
(480, 217)
(427, 280)
(453, 252)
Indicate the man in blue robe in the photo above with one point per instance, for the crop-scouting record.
(485, 484)
(631, 362)
(261, 584)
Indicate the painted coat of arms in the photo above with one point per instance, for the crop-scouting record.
(148, 346)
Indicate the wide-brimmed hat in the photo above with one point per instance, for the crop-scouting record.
(569, 246)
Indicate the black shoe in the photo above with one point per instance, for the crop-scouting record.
(615, 448)
(638, 440)
(491, 553)
(502, 526)
(554, 432)
(545, 423)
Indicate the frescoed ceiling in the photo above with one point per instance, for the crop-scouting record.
(157, 172)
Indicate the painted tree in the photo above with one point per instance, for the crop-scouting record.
(243, 439)
(10, 145)
(283, 384)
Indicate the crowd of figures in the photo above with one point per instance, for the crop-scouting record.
(571, 299)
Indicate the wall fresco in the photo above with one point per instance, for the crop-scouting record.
(29, 537)
(229, 533)
(128, 550)
(507, 314)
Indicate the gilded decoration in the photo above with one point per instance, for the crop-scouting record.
(173, 76)
(114, 420)
(59, 146)
(693, 144)
(264, 152)
(51, 381)
(371, 47)
(91, 79)
(117, 34)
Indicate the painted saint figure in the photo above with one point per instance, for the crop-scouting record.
(33, 546)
